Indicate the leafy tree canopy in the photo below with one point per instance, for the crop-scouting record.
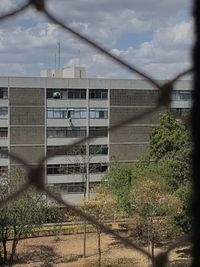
(169, 137)
(117, 182)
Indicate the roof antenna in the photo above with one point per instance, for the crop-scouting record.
(55, 61)
(79, 58)
(59, 55)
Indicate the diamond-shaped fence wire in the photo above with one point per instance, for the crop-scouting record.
(36, 178)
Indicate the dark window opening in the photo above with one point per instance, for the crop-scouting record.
(98, 131)
(98, 94)
(3, 132)
(3, 93)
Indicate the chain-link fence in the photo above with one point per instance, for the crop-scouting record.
(35, 174)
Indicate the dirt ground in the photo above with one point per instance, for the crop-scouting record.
(66, 251)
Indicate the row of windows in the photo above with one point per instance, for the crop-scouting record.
(72, 132)
(76, 113)
(62, 132)
(62, 113)
(67, 93)
(178, 95)
(58, 169)
(80, 150)
(181, 95)
(3, 112)
(179, 112)
(76, 93)
(76, 187)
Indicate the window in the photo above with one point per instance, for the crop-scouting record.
(56, 113)
(3, 132)
(98, 150)
(76, 132)
(98, 131)
(74, 151)
(3, 152)
(62, 132)
(3, 112)
(98, 167)
(73, 187)
(59, 169)
(76, 113)
(99, 113)
(76, 93)
(78, 168)
(62, 113)
(3, 93)
(179, 113)
(76, 187)
(66, 93)
(3, 171)
(98, 94)
(56, 132)
(182, 95)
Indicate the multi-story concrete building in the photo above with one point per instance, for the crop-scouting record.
(39, 115)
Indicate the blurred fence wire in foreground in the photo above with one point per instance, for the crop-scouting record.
(35, 174)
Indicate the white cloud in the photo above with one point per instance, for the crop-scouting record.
(6, 6)
(180, 34)
(34, 46)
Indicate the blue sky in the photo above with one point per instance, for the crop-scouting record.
(154, 35)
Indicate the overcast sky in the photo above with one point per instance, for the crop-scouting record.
(155, 35)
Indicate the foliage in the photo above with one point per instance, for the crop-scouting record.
(117, 182)
(184, 219)
(168, 137)
(102, 207)
(18, 219)
(53, 214)
(149, 197)
(155, 208)
(170, 145)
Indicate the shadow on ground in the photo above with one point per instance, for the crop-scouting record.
(180, 263)
(44, 256)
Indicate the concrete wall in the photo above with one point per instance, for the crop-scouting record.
(27, 123)
(129, 142)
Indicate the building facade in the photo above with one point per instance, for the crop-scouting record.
(41, 115)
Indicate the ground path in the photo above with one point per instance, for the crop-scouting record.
(66, 251)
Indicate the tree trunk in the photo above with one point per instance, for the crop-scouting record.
(4, 241)
(152, 240)
(99, 246)
(84, 239)
(13, 251)
(1, 258)
(14, 245)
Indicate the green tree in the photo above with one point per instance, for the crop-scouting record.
(169, 137)
(103, 207)
(19, 218)
(170, 147)
(117, 182)
(155, 208)
(184, 219)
